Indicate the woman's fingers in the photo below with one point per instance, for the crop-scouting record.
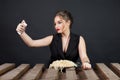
(21, 27)
(18, 27)
(86, 66)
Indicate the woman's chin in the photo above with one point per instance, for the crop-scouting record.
(59, 32)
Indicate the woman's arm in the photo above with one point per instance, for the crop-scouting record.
(28, 40)
(83, 55)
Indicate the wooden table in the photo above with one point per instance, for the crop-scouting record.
(8, 71)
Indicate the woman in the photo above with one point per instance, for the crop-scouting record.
(64, 44)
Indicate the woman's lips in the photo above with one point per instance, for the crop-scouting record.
(57, 29)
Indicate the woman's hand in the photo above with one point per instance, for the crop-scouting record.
(86, 65)
(21, 27)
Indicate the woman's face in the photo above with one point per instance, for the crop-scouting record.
(60, 24)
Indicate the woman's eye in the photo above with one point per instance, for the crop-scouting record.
(59, 22)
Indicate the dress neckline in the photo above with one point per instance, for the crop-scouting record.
(68, 45)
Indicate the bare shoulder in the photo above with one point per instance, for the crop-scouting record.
(81, 38)
(48, 38)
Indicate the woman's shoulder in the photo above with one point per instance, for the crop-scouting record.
(77, 35)
(74, 35)
(57, 35)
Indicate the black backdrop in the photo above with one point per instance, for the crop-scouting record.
(98, 21)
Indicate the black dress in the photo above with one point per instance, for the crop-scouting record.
(72, 52)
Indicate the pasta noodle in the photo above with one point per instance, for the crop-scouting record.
(60, 64)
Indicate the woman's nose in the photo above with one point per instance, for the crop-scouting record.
(56, 26)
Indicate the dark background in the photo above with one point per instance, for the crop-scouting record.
(98, 21)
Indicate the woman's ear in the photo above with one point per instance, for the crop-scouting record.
(69, 22)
